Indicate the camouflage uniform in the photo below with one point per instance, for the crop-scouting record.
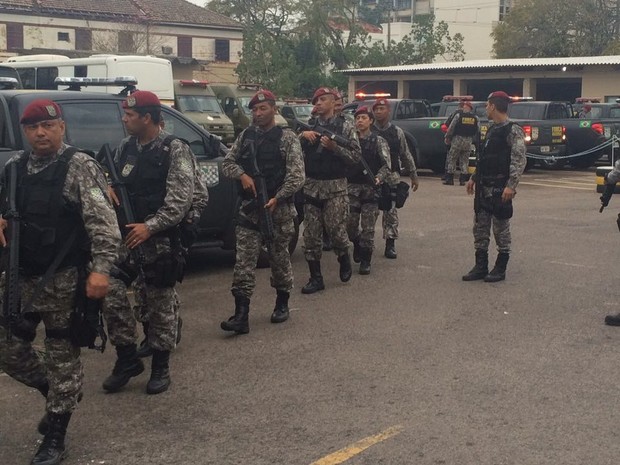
(60, 366)
(363, 202)
(460, 144)
(327, 202)
(249, 240)
(399, 156)
(162, 313)
(484, 219)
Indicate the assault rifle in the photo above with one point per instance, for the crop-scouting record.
(126, 213)
(338, 139)
(12, 300)
(265, 221)
(606, 197)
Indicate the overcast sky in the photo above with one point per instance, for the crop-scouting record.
(198, 2)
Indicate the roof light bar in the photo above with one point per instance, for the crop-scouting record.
(521, 99)
(457, 98)
(363, 95)
(193, 83)
(93, 81)
(587, 100)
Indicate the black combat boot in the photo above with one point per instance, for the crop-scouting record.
(316, 278)
(160, 372)
(52, 450)
(44, 425)
(144, 350)
(613, 320)
(365, 263)
(481, 268)
(357, 250)
(390, 248)
(345, 267)
(127, 366)
(449, 180)
(498, 273)
(239, 322)
(280, 311)
(463, 178)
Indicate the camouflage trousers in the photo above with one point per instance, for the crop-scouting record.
(59, 365)
(483, 222)
(160, 310)
(459, 152)
(249, 246)
(363, 209)
(390, 223)
(331, 215)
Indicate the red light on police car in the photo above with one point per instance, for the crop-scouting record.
(194, 83)
(528, 133)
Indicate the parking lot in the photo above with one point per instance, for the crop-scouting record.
(409, 365)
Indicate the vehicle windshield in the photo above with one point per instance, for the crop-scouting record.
(198, 103)
(525, 111)
(245, 101)
(302, 111)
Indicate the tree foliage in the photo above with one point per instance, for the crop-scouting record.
(552, 28)
(291, 46)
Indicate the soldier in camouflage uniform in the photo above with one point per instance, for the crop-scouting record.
(159, 172)
(461, 133)
(325, 190)
(363, 195)
(280, 162)
(61, 192)
(499, 167)
(400, 156)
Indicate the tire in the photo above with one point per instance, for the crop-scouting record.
(263, 257)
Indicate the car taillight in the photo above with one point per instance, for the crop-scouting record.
(528, 133)
(444, 127)
(598, 128)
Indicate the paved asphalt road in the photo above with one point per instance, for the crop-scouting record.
(409, 365)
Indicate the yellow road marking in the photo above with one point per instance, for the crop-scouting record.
(593, 189)
(358, 447)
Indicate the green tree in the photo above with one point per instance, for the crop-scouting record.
(428, 40)
(551, 28)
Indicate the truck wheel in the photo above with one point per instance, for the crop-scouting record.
(263, 257)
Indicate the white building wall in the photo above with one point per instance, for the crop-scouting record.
(474, 19)
(47, 37)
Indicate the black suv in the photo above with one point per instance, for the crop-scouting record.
(94, 118)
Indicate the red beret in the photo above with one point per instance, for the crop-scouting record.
(141, 98)
(381, 101)
(322, 91)
(40, 110)
(364, 110)
(499, 94)
(262, 96)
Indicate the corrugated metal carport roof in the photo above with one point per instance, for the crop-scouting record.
(490, 64)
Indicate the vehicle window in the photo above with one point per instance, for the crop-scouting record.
(524, 111)
(303, 111)
(178, 127)
(557, 112)
(229, 105)
(4, 131)
(27, 77)
(287, 112)
(45, 78)
(244, 104)
(614, 113)
(481, 111)
(90, 125)
(198, 103)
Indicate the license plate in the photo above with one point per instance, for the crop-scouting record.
(545, 149)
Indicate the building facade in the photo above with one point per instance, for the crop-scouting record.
(473, 19)
(542, 78)
(173, 29)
